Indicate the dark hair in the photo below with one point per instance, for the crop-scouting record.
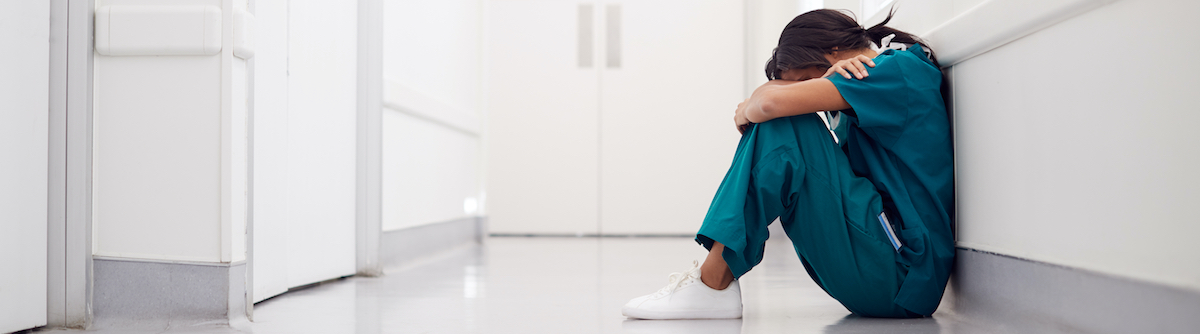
(810, 36)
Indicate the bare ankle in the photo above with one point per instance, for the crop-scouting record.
(717, 280)
(715, 272)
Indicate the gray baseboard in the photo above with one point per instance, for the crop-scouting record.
(1023, 296)
(133, 293)
(406, 246)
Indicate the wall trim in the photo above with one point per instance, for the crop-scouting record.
(56, 215)
(158, 257)
(994, 23)
(168, 261)
(408, 245)
(399, 97)
(369, 169)
(69, 216)
(1177, 282)
(137, 293)
(249, 242)
(1020, 295)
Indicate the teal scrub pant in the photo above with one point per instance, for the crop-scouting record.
(791, 168)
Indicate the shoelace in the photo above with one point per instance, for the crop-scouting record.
(680, 279)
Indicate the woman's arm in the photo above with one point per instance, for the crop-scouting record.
(780, 98)
(783, 98)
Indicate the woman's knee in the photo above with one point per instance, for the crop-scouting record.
(806, 122)
(800, 131)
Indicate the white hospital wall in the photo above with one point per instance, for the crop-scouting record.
(171, 140)
(914, 16)
(1088, 163)
(432, 111)
(765, 19)
(24, 144)
(169, 163)
(433, 47)
(853, 6)
(1070, 149)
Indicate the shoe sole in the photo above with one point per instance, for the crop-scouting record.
(680, 315)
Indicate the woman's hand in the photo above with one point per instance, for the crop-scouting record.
(739, 117)
(853, 65)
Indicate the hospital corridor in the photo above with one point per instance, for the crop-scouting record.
(546, 166)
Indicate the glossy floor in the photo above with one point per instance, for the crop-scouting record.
(557, 285)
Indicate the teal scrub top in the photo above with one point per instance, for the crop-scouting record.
(897, 134)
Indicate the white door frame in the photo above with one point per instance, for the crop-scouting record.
(369, 192)
(69, 256)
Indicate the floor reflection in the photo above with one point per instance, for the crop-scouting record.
(723, 326)
(856, 324)
(557, 285)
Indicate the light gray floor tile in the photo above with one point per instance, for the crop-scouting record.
(557, 285)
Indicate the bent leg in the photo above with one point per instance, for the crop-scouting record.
(790, 168)
(766, 177)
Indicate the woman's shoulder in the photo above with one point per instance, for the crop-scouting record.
(915, 56)
(911, 63)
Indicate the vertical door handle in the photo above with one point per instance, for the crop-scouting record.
(613, 33)
(585, 35)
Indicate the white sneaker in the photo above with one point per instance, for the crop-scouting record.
(686, 297)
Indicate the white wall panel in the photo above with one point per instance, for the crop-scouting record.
(914, 16)
(765, 20)
(322, 77)
(853, 6)
(158, 30)
(432, 127)
(960, 6)
(170, 140)
(1088, 163)
(157, 157)
(429, 170)
(434, 47)
(24, 140)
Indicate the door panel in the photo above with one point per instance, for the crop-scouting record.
(24, 145)
(322, 140)
(305, 144)
(542, 119)
(270, 150)
(666, 126)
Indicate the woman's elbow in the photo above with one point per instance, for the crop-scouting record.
(764, 112)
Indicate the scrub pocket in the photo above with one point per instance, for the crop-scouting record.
(914, 239)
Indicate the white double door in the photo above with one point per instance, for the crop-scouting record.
(609, 117)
